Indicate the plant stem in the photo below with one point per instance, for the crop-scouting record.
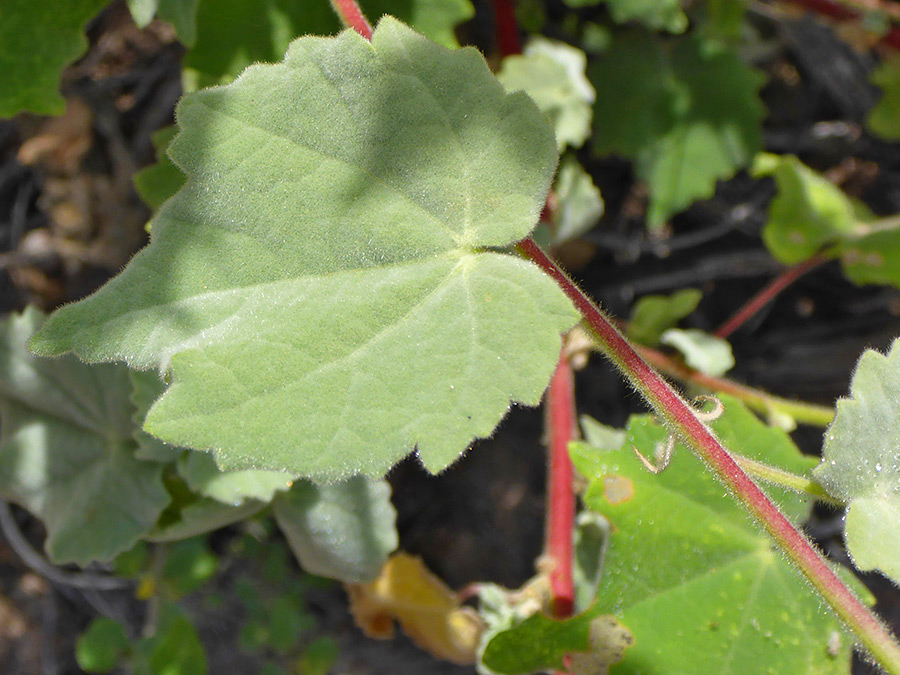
(351, 15)
(684, 422)
(755, 399)
(506, 28)
(785, 479)
(561, 428)
(767, 294)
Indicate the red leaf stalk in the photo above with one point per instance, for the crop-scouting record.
(506, 27)
(352, 17)
(767, 294)
(561, 428)
(681, 419)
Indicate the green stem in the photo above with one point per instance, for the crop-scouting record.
(785, 479)
(755, 399)
(683, 421)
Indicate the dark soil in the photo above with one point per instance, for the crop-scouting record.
(69, 219)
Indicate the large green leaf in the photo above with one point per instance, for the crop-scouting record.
(689, 573)
(233, 34)
(67, 453)
(688, 114)
(323, 288)
(861, 462)
(343, 531)
(39, 38)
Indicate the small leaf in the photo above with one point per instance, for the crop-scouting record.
(808, 212)
(884, 118)
(654, 314)
(102, 646)
(342, 531)
(861, 462)
(689, 115)
(687, 571)
(67, 453)
(600, 435)
(579, 205)
(202, 475)
(202, 516)
(285, 283)
(174, 648)
(706, 353)
(429, 612)
(39, 40)
(552, 74)
(189, 565)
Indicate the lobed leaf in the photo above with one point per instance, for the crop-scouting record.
(67, 453)
(687, 571)
(861, 462)
(326, 289)
(688, 116)
(39, 39)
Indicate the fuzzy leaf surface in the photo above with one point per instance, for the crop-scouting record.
(202, 475)
(689, 115)
(67, 453)
(321, 288)
(342, 531)
(689, 573)
(861, 462)
(39, 39)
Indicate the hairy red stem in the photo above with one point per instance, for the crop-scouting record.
(839, 12)
(767, 294)
(506, 27)
(681, 419)
(352, 17)
(561, 428)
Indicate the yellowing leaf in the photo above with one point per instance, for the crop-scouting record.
(426, 609)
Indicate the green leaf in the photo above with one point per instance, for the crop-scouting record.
(233, 34)
(158, 182)
(808, 212)
(579, 205)
(552, 74)
(541, 643)
(290, 294)
(689, 115)
(202, 516)
(189, 565)
(174, 648)
(706, 353)
(884, 118)
(67, 453)
(202, 475)
(600, 435)
(872, 257)
(689, 573)
(654, 14)
(861, 463)
(102, 646)
(39, 39)
(653, 315)
(342, 531)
